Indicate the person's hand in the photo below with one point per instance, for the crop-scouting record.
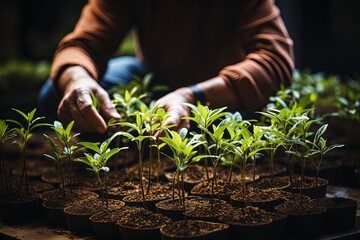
(173, 104)
(76, 104)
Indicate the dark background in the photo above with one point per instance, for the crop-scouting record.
(326, 36)
(326, 33)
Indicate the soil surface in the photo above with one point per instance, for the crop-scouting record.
(301, 208)
(141, 218)
(189, 228)
(246, 216)
(91, 206)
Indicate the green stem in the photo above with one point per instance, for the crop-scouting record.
(183, 189)
(62, 178)
(3, 167)
(141, 174)
(150, 162)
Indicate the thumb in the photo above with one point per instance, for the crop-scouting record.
(106, 107)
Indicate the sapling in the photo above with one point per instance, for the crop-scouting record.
(248, 147)
(126, 104)
(319, 147)
(97, 162)
(154, 125)
(6, 133)
(24, 131)
(64, 147)
(139, 136)
(204, 117)
(183, 154)
(220, 146)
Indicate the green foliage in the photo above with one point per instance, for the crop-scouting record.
(21, 76)
(97, 162)
(183, 148)
(6, 133)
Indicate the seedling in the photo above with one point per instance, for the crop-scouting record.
(140, 130)
(204, 117)
(183, 154)
(25, 133)
(6, 133)
(97, 162)
(65, 147)
(319, 147)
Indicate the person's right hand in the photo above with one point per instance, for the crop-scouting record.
(77, 85)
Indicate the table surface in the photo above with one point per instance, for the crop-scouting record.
(37, 230)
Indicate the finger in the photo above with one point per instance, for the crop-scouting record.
(106, 107)
(81, 124)
(63, 113)
(88, 111)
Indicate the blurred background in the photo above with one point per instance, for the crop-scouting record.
(326, 34)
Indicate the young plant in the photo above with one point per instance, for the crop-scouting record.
(220, 146)
(204, 117)
(183, 154)
(248, 147)
(64, 147)
(25, 133)
(126, 103)
(319, 148)
(6, 133)
(97, 162)
(139, 128)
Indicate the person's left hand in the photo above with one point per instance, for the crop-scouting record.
(173, 104)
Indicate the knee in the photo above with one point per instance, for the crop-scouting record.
(48, 101)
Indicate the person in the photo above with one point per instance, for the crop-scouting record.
(233, 53)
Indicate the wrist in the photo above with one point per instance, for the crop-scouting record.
(199, 95)
(69, 75)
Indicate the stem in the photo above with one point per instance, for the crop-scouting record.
(149, 174)
(243, 182)
(62, 178)
(3, 167)
(141, 174)
(25, 170)
(230, 171)
(290, 166)
(106, 191)
(173, 187)
(102, 187)
(271, 166)
(179, 188)
(183, 189)
(158, 164)
(70, 173)
(254, 171)
(118, 155)
(302, 179)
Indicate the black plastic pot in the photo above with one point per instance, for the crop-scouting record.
(134, 233)
(253, 232)
(13, 213)
(55, 217)
(105, 230)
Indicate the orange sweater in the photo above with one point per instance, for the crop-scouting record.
(185, 42)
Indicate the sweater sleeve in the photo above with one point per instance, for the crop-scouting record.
(97, 34)
(268, 62)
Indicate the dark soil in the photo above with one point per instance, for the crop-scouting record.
(124, 189)
(91, 206)
(204, 209)
(300, 208)
(141, 218)
(222, 188)
(79, 194)
(288, 196)
(12, 196)
(332, 203)
(193, 174)
(309, 182)
(278, 182)
(190, 228)
(108, 215)
(56, 198)
(246, 216)
(257, 195)
(40, 187)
